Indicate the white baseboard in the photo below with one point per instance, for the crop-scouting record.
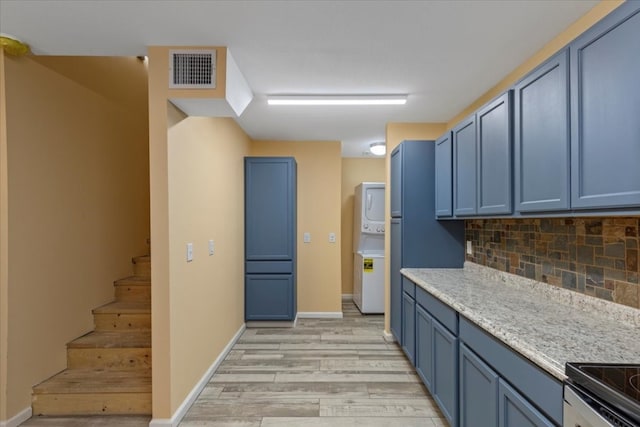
(319, 315)
(193, 395)
(388, 336)
(17, 419)
(271, 323)
(347, 297)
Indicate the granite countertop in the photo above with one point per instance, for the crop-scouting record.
(547, 325)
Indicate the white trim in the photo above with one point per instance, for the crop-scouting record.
(319, 315)
(271, 323)
(18, 419)
(347, 297)
(388, 336)
(193, 395)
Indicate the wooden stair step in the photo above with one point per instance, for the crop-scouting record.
(122, 322)
(133, 281)
(123, 316)
(97, 380)
(109, 358)
(121, 307)
(94, 391)
(142, 266)
(110, 339)
(102, 350)
(134, 288)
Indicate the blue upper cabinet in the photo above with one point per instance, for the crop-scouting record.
(269, 208)
(464, 168)
(396, 183)
(495, 144)
(444, 176)
(605, 112)
(541, 160)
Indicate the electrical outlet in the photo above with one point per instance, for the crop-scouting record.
(469, 247)
(210, 247)
(189, 252)
(306, 237)
(332, 237)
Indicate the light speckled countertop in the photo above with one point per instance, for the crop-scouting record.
(548, 325)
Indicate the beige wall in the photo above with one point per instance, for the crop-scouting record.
(396, 133)
(319, 171)
(206, 201)
(354, 171)
(77, 210)
(574, 30)
(4, 242)
(197, 194)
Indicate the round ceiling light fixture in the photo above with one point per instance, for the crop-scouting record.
(378, 148)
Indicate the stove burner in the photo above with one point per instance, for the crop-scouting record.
(634, 382)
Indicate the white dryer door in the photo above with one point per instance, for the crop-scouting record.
(373, 202)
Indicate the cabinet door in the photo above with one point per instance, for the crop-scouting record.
(409, 326)
(395, 279)
(494, 156)
(445, 372)
(541, 152)
(269, 209)
(605, 107)
(477, 379)
(396, 182)
(444, 176)
(424, 346)
(269, 297)
(464, 168)
(515, 411)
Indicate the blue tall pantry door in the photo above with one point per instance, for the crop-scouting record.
(270, 238)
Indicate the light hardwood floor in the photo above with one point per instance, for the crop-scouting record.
(324, 372)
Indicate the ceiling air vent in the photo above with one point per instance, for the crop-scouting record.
(192, 69)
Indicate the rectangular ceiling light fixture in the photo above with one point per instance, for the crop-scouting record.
(337, 100)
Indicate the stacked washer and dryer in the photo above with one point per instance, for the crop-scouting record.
(368, 247)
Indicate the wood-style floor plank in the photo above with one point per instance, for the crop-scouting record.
(323, 372)
(349, 422)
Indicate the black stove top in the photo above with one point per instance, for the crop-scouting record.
(616, 385)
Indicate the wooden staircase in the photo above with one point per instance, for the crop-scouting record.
(109, 369)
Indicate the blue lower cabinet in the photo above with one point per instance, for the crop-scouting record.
(472, 377)
(269, 297)
(395, 279)
(424, 347)
(445, 372)
(515, 411)
(478, 391)
(408, 326)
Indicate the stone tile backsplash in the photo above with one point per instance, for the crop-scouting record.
(594, 256)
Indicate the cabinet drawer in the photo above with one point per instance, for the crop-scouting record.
(540, 388)
(408, 287)
(269, 267)
(439, 310)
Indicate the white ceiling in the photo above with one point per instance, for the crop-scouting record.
(444, 54)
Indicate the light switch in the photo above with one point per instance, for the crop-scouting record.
(332, 237)
(469, 247)
(189, 252)
(306, 237)
(210, 247)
